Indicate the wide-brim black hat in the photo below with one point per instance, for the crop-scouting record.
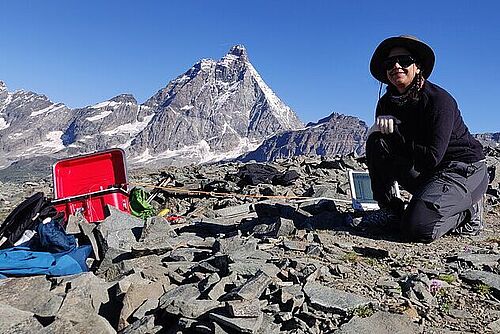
(418, 49)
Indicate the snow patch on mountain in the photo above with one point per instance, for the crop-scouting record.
(97, 117)
(48, 110)
(130, 128)
(3, 123)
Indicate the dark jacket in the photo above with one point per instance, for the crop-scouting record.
(432, 129)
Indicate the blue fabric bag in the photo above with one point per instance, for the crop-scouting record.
(52, 238)
(22, 261)
(51, 252)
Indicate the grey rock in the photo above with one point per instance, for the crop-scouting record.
(209, 282)
(460, 314)
(292, 297)
(30, 294)
(388, 283)
(244, 308)
(146, 307)
(231, 211)
(242, 325)
(136, 295)
(193, 308)
(235, 244)
(249, 267)
(120, 230)
(380, 323)
(268, 326)
(59, 326)
(144, 262)
(295, 245)
(255, 286)
(110, 267)
(156, 229)
(494, 326)
(274, 227)
(219, 288)
(483, 277)
(123, 284)
(423, 294)
(185, 292)
(14, 320)
(72, 226)
(478, 261)
(212, 226)
(180, 267)
(144, 325)
(183, 254)
(78, 308)
(87, 284)
(324, 191)
(198, 242)
(330, 299)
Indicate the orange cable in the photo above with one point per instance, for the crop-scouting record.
(218, 194)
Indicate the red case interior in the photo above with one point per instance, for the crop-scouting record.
(89, 173)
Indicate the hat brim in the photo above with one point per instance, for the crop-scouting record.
(423, 53)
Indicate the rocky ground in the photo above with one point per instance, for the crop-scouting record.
(248, 264)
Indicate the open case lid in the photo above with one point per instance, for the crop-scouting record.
(89, 173)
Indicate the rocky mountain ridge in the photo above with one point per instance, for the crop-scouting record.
(216, 109)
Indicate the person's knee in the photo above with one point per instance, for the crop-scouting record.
(419, 223)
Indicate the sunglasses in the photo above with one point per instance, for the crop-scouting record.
(403, 61)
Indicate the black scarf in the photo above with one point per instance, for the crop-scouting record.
(411, 96)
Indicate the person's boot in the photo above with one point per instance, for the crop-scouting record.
(475, 224)
(386, 217)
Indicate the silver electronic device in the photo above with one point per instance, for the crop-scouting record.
(361, 191)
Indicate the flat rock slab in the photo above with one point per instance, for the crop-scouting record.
(330, 299)
(380, 323)
(255, 286)
(183, 292)
(273, 227)
(235, 244)
(244, 308)
(120, 229)
(13, 320)
(192, 308)
(251, 267)
(483, 277)
(479, 260)
(78, 308)
(136, 295)
(293, 245)
(293, 296)
(30, 294)
(241, 325)
(230, 211)
(157, 228)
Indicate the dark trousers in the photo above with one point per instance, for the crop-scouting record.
(441, 200)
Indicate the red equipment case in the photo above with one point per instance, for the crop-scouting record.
(88, 182)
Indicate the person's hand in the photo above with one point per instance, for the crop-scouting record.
(386, 124)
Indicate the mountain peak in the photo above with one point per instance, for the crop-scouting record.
(3, 86)
(125, 98)
(238, 50)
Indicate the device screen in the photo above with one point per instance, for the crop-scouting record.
(362, 186)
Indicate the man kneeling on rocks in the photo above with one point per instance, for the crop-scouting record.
(420, 140)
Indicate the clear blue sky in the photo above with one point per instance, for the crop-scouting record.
(313, 54)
